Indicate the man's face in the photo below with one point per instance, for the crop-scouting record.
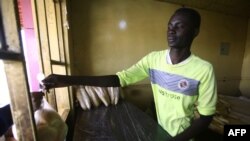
(180, 32)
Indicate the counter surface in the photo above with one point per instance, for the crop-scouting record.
(123, 122)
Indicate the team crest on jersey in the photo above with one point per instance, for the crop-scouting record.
(183, 84)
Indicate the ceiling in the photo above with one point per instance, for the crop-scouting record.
(231, 7)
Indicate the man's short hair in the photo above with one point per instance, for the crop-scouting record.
(192, 14)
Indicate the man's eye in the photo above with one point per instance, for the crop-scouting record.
(181, 26)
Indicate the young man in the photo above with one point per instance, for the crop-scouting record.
(180, 80)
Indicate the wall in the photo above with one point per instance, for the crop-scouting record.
(29, 44)
(101, 47)
(245, 73)
(215, 29)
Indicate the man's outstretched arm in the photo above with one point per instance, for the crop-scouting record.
(90, 90)
(56, 80)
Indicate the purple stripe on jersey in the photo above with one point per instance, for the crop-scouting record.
(173, 82)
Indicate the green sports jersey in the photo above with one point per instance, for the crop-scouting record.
(177, 89)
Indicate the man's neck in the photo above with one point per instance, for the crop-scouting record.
(179, 55)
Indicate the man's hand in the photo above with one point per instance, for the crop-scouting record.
(54, 81)
(89, 95)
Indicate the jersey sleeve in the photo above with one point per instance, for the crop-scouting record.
(207, 93)
(135, 73)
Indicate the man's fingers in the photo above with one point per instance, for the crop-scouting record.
(91, 92)
(54, 81)
(103, 95)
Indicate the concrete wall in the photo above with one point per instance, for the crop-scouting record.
(111, 35)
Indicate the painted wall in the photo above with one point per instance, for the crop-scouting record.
(111, 35)
(245, 74)
(29, 44)
(218, 28)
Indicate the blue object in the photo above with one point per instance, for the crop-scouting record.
(5, 119)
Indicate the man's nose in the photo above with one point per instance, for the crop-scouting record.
(171, 30)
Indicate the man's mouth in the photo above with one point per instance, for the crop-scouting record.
(171, 38)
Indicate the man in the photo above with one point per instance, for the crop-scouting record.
(180, 80)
